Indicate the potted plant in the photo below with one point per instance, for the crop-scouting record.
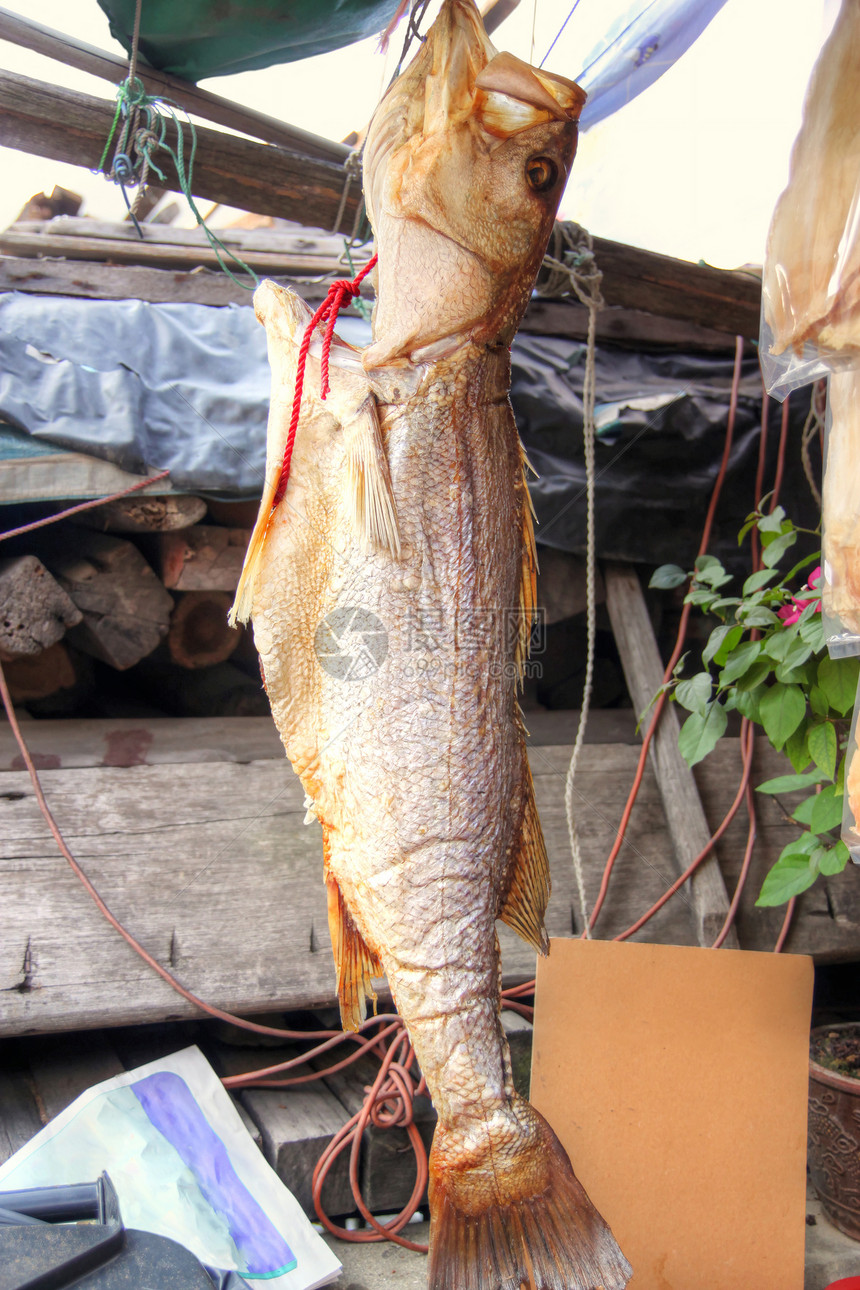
(834, 1123)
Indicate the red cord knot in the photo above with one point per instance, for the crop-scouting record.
(339, 292)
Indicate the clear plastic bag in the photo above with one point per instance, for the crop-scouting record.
(851, 801)
(840, 516)
(811, 279)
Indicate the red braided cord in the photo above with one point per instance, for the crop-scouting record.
(338, 294)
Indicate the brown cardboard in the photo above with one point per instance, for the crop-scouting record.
(676, 1078)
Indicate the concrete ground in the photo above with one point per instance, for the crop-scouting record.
(829, 1257)
(381, 1264)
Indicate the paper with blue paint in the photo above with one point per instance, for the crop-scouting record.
(168, 1103)
(184, 1167)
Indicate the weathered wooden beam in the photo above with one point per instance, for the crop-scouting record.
(88, 280)
(158, 253)
(689, 829)
(720, 299)
(34, 609)
(111, 67)
(67, 126)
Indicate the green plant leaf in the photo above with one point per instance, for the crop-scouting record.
(722, 639)
(791, 875)
(838, 679)
(758, 580)
(796, 750)
(747, 703)
(750, 524)
(667, 576)
(790, 783)
(826, 810)
(812, 631)
(775, 550)
(796, 654)
(834, 859)
(759, 672)
(822, 744)
(700, 596)
(705, 562)
(701, 732)
(818, 701)
(803, 812)
(758, 616)
(782, 708)
(695, 693)
(772, 523)
(739, 661)
(724, 602)
(778, 645)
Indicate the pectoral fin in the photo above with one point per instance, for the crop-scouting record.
(369, 495)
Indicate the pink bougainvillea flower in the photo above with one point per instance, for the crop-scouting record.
(791, 612)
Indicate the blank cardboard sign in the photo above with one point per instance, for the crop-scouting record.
(676, 1078)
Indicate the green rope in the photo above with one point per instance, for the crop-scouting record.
(157, 114)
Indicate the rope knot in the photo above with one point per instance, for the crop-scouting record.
(339, 291)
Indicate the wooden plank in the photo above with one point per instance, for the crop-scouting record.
(183, 859)
(617, 325)
(387, 1165)
(130, 741)
(643, 671)
(199, 857)
(90, 281)
(294, 242)
(67, 126)
(19, 1114)
(295, 1124)
(64, 1066)
(88, 58)
(158, 254)
(719, 299)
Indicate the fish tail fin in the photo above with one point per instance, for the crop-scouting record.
(516, 1219)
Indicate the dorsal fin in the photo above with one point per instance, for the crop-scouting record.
(529, 567)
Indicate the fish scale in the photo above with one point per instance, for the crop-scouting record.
(391, 591)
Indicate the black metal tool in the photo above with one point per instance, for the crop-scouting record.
(53, 1237)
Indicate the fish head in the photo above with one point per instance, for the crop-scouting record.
(465, 163)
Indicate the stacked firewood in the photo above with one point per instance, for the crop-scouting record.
(141, 585)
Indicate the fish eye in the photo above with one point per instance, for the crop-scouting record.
(541, 173)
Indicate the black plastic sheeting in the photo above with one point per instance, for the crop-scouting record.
(185, 387)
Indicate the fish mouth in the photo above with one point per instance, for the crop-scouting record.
(458, 74)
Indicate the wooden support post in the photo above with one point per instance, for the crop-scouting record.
(643, 670)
